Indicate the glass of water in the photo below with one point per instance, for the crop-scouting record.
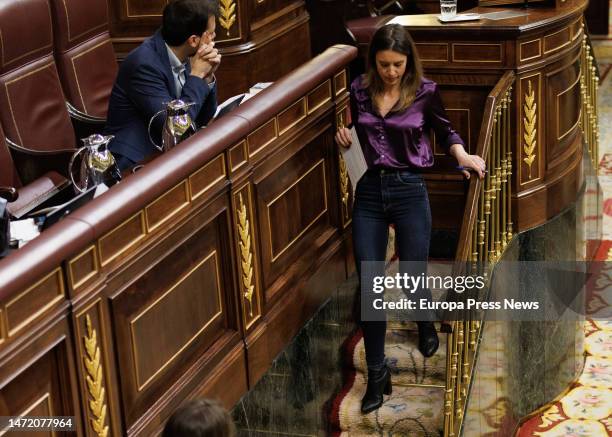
(448, 8)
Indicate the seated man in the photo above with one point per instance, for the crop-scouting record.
(177, 62)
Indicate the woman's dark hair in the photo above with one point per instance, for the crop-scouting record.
(200, 418)
(183, 18)
(396, 38)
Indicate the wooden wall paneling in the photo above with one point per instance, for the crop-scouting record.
(172, 307)
(563, 103)
(83, 270)
(293, 200)
(39, 378)
(249, 33)
(20, 312)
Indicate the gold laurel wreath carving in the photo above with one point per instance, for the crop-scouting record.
(97, 403)
(529, 124)
(227, 18)
(246, 257)
(344, 179)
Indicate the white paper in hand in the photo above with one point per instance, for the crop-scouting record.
(355, 161)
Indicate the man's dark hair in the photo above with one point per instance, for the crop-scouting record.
(200, 418)
(183, 18)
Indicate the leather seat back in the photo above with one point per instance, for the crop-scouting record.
(8, 172)
(32, 105)
(84, 53)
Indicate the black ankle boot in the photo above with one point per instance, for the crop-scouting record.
(379, 383)
(428, 338)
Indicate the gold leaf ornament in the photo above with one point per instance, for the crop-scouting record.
(93, 378)
(529, 126)
(227, 16)
(246, 256)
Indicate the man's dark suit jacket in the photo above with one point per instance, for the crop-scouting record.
(144, 85)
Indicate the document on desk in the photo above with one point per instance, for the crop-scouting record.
(355, 162)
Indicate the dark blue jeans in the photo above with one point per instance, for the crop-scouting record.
(383, 197)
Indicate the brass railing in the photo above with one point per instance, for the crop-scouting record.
(589, 84)
(485, 233)
(487, 222)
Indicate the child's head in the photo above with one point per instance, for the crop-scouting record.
(200, 418)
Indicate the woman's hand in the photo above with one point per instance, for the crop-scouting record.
(343, 137)
(468, 162)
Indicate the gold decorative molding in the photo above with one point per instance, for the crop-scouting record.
(227, 17)
(93, 367)
(529, 124)
(344, 179)
(246, 256)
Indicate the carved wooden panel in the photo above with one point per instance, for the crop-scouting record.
(529, 149)
(433, 52)
(122, 238)
(205, 178)
(320, 96)
(229, 21)
(238, 156)
(169, 204)
(40, 387)
(143, 8)
(557, 40)
(292, 116)
(94, 365)
(340, 83)
(33, 302)
(262, 137)
(196, 296)
(83, 267)
(247, 255)
(170, 314)
(478, 53)
(563, 111)
(464, 110)
(530, 50)
(293, 201)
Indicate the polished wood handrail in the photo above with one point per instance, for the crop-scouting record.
(462, 338)
(482, 149)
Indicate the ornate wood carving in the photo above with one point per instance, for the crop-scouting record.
(529, 125)
(94, 380)
(246, 254)
(246, 258)
(227, 17)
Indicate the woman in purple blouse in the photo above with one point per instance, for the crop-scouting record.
(393, 107)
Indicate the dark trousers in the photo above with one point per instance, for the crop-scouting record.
(383, 197)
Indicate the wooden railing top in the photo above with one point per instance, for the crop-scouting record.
(482, 149)
(101, 215)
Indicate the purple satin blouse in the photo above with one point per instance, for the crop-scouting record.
(401, 138)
